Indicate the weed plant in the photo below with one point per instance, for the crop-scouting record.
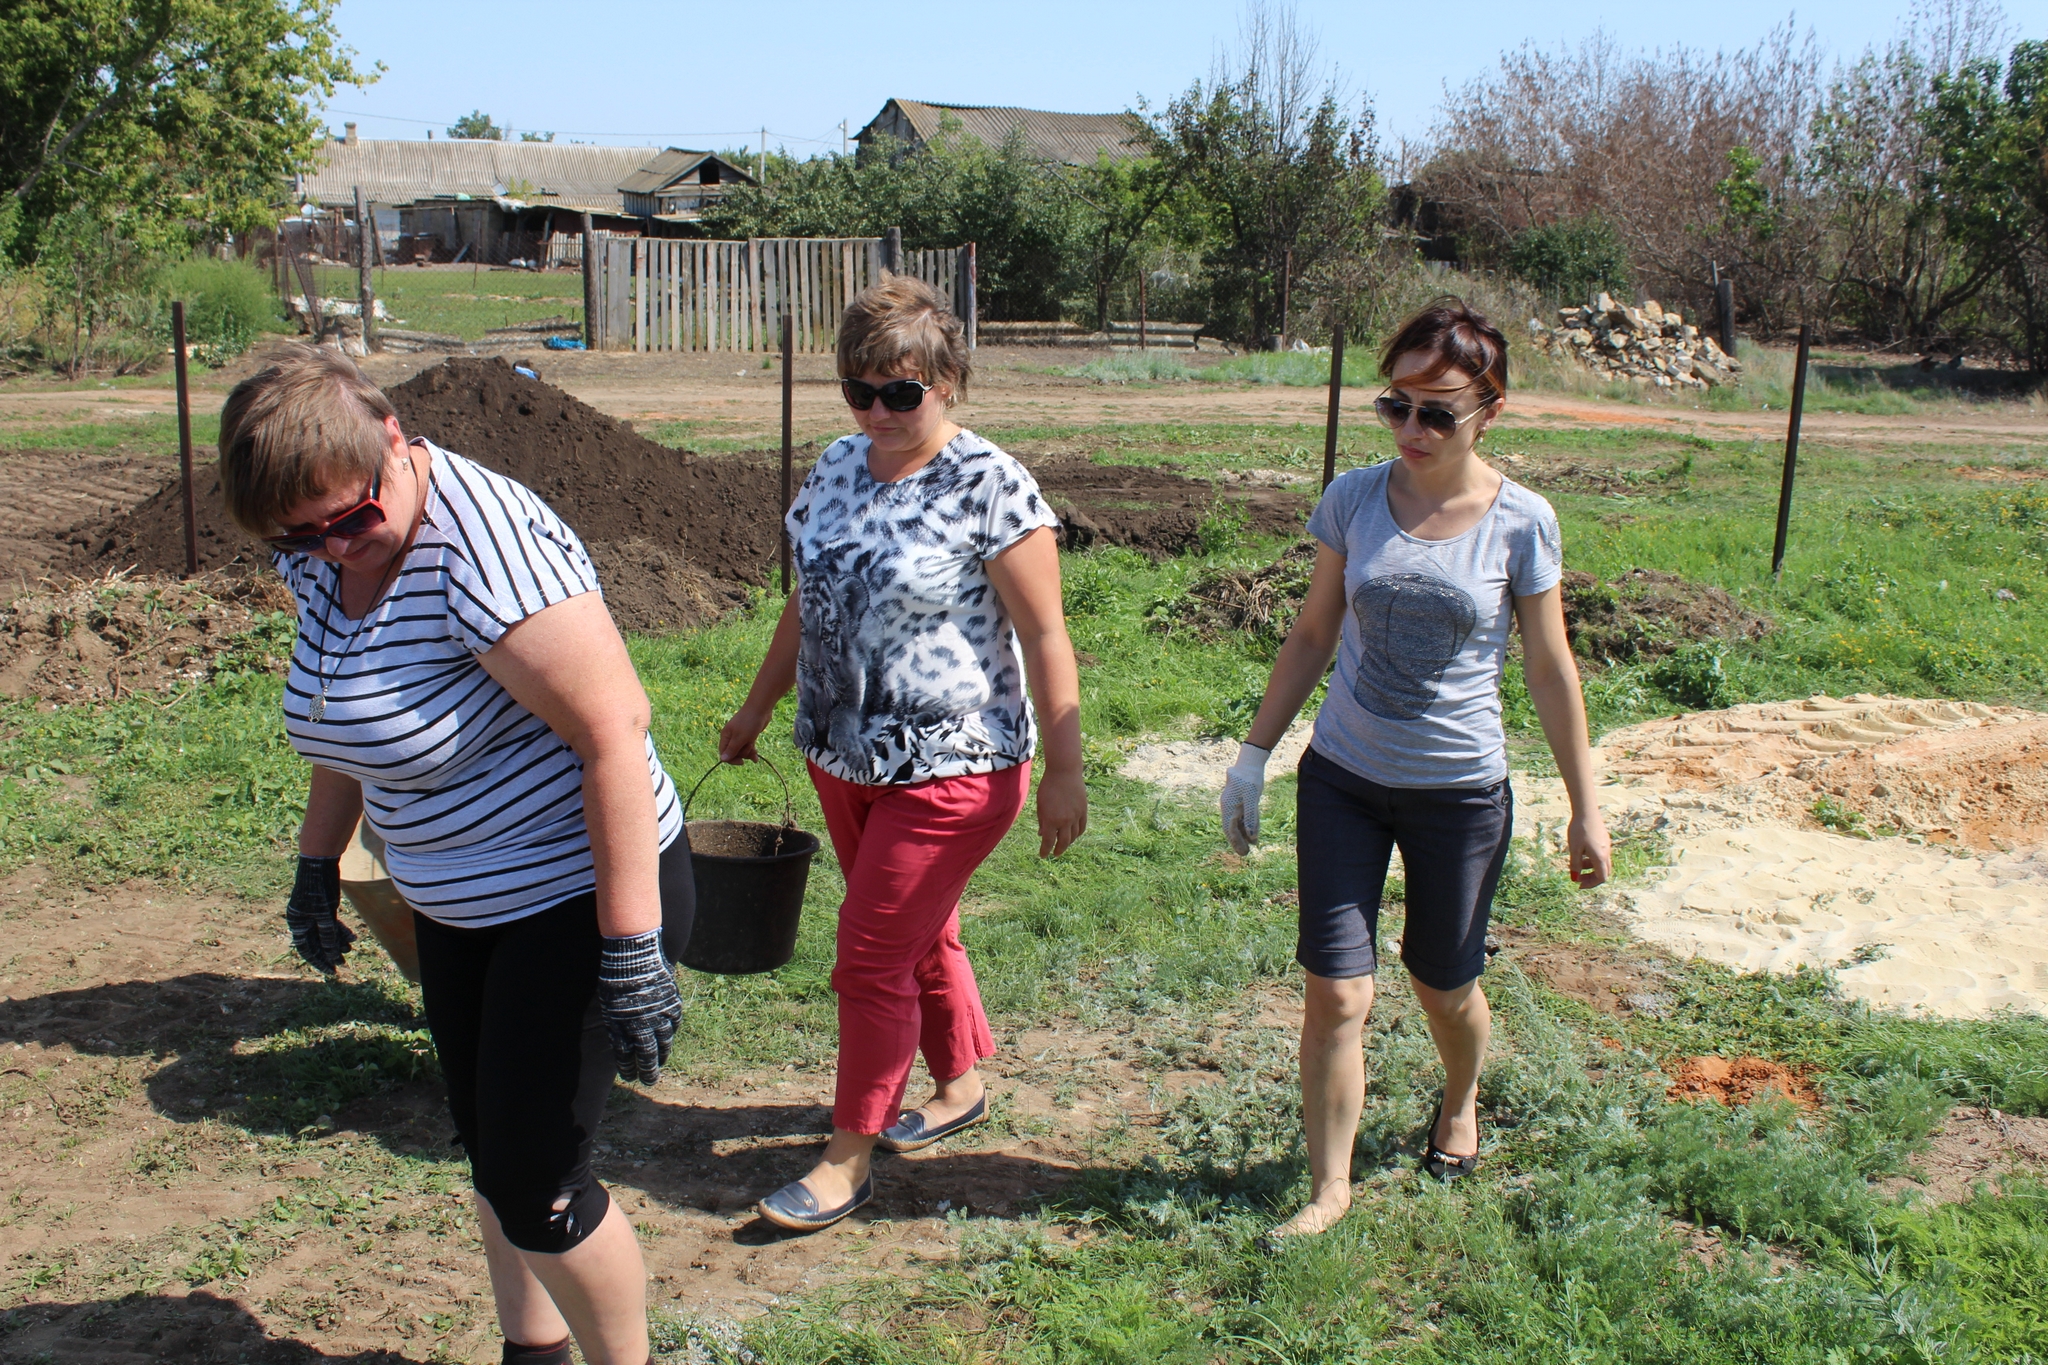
(1135, 367)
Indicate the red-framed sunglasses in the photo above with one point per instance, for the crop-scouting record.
(364, 517)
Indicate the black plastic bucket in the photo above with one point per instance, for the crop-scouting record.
(750, 879)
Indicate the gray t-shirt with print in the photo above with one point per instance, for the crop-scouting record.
(1415, 701)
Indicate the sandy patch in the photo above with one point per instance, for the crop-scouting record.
(1901, 841)
(1197, 765)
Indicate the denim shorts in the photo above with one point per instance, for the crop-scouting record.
(1453, 842)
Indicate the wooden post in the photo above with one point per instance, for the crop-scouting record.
(1336, 391)
(185, 439)
(589, 289)
(366, 297)
(1791, 452)
(1286, 292)
(788, 456)
(973, 298)
(892, 250)
(1724, 297)
(1142, 339)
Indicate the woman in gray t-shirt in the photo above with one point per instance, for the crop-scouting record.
(1423, 563)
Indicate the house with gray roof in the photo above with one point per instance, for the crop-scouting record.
(1068, 139)
(473, 199)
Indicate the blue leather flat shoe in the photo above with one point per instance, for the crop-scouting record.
(794, 1206)
(909, 1134)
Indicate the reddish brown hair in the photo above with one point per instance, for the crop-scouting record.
(306, 422)
(1454, 337)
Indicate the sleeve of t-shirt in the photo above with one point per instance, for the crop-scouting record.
(1334, 512)
(520, 559)
(1536, 555)
(1015, 509)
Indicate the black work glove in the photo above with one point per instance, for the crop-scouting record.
(636, 993)
(313, 914)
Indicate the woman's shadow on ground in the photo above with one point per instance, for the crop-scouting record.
(198, 1328)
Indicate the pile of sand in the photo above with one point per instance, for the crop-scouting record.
(1901, 841)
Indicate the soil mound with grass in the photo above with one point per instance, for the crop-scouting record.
(118, 636)
(1740, 1080)
(676, 537)
(1259, 603)
(1645, 614)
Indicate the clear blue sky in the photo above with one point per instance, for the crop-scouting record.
(709, 75)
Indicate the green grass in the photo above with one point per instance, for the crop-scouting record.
(463, 302)
(1135, 367)
(1567, 1248)
(1301, 369)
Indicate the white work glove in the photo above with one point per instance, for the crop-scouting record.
(1243, 785)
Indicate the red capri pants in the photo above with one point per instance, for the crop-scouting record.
(902, 976)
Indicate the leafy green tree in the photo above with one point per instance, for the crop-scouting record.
(536, 137)
(955, 189)
(476, 126)
(1989, 127)
(150, 116)
(1282, 172)
(1124, 208)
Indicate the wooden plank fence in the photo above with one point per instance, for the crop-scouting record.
(670, 294)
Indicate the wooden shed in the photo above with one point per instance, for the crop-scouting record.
(678, 185)
(1070, 139)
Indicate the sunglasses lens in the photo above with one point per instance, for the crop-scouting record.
(359, 522)
(1392, 411)
(858, 395)
(1436, 421)
(902, 395)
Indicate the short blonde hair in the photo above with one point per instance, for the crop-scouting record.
(901, 320)
(303, 424)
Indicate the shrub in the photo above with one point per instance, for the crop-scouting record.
(228, 304)
(1569, 260)
(1694, 677)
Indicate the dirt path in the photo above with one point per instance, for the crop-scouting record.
(732, 397)
(144, 1211)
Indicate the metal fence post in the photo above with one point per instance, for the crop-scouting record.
(1336, 392)
(1791, 452)
(185, 440)
(589, 289)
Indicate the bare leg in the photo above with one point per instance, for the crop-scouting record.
(596, 1291)
(1461, 1023)
(1332, 1094)
(842, 1169)
(951, 1099)
(525, 1312)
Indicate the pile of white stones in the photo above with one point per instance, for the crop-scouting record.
(1641, 345)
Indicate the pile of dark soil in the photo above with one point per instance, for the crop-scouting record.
(1260, 603)
(117, 636)
(676, 536)
(1151, 510)
(1645, 614)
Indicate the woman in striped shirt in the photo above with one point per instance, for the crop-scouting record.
(458, 682)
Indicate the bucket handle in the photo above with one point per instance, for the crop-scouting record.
(788, 804)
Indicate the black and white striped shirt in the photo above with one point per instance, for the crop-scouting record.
(479, 803)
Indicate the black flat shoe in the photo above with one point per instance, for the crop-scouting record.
(1439, 1162)
(909, 1134)
(794, 1206)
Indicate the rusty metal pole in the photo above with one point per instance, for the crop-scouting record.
(366, 296)
(1336, 391)
(185, 439)
(590, 338)
(788, 409)
(1791, 452)
(1143, 341)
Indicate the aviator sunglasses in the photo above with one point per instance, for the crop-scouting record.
(1438, 422)
(364, 517)
(898, 395)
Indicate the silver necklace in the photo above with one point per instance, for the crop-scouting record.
(316, 709)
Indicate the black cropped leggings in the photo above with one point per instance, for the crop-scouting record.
(514, 1013)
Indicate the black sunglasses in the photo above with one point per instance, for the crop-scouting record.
(898, 395)
(364, 517)
(1437, 422)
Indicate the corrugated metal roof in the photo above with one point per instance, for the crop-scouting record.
(404, 172)
(675, 163)
(1076, 139)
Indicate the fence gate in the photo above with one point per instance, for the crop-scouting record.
(669, 294)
